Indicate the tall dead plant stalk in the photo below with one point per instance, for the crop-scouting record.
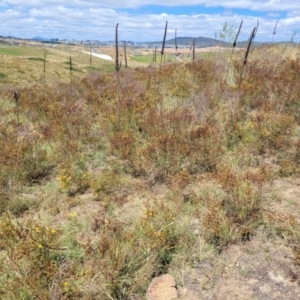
(194, 51)
(154, 54)
(274, 31)
(256, 29)
(117, 67)
(247, 53)
(125, 57)
(161, 57)
(91, 55)
(16, 98)
(176, 46)
(162, 50)
(163, 44)
(71, 68)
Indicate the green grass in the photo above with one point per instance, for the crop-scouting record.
(36, 58)
(147, 59)
(92, 68)
(68, 63)
(11, 51)
(105, 68)
(75, 69)
(108, 68)
(19, 51)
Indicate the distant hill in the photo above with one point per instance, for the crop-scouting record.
(244, 44)
(206, 42)
(199, 42)
(187, 41)
(11, 37)
(39, 38)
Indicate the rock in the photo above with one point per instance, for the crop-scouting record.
(266, 289)
(162, 288)
(278, 278)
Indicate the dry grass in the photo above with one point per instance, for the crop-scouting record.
(96, 201)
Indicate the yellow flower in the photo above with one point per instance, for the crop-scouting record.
(112, 118)
(66, 286)
(40, 246)
(73, 214)
(53, 231)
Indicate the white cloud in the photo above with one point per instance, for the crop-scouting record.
(89, 20)
(263, 5)
(273, 15)
(293, 13)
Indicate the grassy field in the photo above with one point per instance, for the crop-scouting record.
(18, 51)
(109, 181)
(149, 59)
(25, 64)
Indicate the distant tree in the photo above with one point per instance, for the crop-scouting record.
(227, 33)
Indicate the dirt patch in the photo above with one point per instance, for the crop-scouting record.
(254, 270)
(262, 268)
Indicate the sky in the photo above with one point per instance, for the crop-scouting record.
(145, 20)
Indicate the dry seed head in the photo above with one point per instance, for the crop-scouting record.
(237, 35)
(194, 42)
(117, 64)
(16, 96)
(164, 40)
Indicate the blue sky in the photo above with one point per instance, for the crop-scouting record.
(145, 20)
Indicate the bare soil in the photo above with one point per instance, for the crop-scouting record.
(262, 268)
